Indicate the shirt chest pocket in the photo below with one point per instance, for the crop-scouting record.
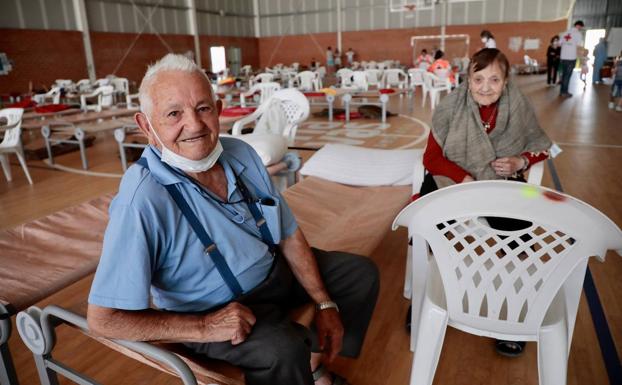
(270, 209)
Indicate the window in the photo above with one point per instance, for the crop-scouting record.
(218, 59)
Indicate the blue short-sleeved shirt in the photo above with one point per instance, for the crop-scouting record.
(151, 252)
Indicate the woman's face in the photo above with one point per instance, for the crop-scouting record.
(487, 85)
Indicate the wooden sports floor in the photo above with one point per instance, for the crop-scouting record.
(589, 168)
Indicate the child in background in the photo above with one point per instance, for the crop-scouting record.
(616, 88)
(583, 60)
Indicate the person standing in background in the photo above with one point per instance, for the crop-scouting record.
(600, 55)
(350, 56)
(330, 61)
(552, 61)
(337, 59)
(571, 42)
(488, 39)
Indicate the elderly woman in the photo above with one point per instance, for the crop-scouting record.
(485, 129)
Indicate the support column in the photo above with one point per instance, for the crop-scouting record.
(256, 18)
(444, 24)
(79, 10)
(339, 26)
(194, 30)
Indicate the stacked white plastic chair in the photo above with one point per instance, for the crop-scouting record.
(359, 81)
(344, 76)
(103, 95)
(12, 142)
(280, 114)
(416, 78)
(321, 72)
(522, 285)
(246, 70)
(433, 86)
(306, 81)
(83, 85)
(121, 88)
(374, 77)
(52, 95)
(262, 78)
(394, 77)
(265, 90)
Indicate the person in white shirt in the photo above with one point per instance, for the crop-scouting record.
(571, 41)
(488, 39)
(350, 56)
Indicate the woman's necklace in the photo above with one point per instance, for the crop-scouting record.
(490, 118)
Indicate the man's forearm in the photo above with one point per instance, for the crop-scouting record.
(233, 322)
(146, 325)
(304, 265)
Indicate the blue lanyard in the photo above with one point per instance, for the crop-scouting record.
(210, 247)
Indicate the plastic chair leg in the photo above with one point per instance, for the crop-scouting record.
(408, 274)
(6, 167)
(22, 161)
(431, 333)
(553, 354)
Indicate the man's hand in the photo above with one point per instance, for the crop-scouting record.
(506, 167)
(232, 323)
(330, 332)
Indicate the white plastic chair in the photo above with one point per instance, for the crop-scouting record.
(433, 86)
(280, 114)
(307, 81)
(121, 86)
(534, 176)
(262, 78)
(265, 91)
(522, 285)
(83, 85)
(104, 99)
(53, 94)
(12, 142)
(394, 77)
(344, 76)
(359, 81)
(374, 77)
(416, 78)
(103, 81)
(246, 70)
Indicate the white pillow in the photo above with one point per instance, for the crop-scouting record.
(359, 166)
(271, 148)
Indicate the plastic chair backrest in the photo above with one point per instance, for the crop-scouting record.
(428, 80)
(442, 73)
(504, 281)
(102, 82)
(359, 80)
(416, 76)
(305, 80)
(106, 95)
(263, 78)
(265, 90)
(345, 76)
(12, 135)
(83, 85)
(393, 76)
(424, 66)
(121, 85)
(281, 114)
(373, 76)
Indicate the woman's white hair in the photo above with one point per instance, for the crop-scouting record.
(170, 62)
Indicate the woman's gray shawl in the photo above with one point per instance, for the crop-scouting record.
(458, 130)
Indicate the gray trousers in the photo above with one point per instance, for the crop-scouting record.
(278, 350)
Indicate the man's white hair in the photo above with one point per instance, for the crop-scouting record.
(170, 62)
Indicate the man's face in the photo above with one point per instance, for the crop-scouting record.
(183, 114)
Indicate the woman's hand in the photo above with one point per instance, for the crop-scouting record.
(508, 166)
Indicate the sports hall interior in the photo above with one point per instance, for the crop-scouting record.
(43, 42)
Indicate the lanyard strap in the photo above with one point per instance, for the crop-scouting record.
(210, 248)
(266, 236)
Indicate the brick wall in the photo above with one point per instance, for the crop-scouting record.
(43, 56)
(395, 43)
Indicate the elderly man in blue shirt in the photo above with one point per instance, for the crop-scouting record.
(199, 231)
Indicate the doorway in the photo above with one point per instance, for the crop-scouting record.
(234, 60)
(218, 59)
(592, 37)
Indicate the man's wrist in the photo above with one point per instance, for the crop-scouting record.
(326, 305)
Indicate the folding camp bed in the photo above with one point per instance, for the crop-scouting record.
(332, 216)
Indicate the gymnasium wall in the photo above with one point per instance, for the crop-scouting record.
(395, 43)
(41, 56)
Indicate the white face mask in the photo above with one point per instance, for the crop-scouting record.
(187, 165)
(484, 39)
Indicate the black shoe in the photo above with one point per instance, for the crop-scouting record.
(408, 317)
(510, 348)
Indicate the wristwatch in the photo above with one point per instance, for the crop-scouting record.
(326, 305)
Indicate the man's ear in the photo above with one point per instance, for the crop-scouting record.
(144, 126)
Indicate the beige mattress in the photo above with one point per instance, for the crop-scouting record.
(41, 257)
